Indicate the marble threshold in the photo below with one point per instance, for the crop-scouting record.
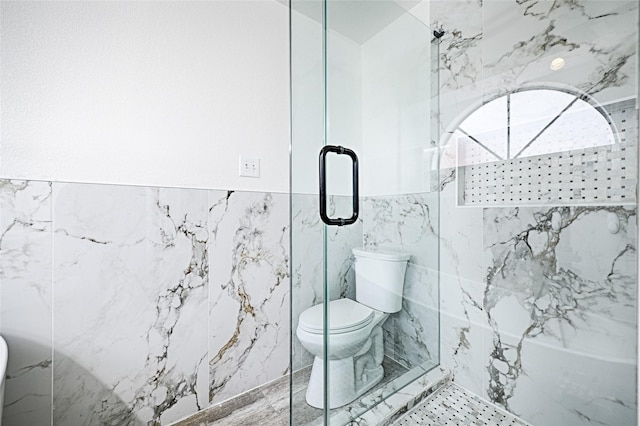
(270, 404)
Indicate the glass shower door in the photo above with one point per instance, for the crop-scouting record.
(361, 80)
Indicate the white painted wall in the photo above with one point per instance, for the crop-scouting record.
(344, 69)
(145, 93)
(378, 104)
(396, 109)
(307, 101)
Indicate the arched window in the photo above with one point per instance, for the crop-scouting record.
(529, 122)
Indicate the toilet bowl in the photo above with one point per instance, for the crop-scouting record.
(355, 338)
(351, 337)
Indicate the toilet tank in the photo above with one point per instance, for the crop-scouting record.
(380, 279)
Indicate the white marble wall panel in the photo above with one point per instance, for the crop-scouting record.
(404, 224)
(597, 39)
(562, 388)
(460, 66)
(25, 299)
(249, 292)
(130, 277)
(461, 44)
(462, 316)
(560, 298)
(409, 224)
(131, 280)
(544, 322)
(415, 329)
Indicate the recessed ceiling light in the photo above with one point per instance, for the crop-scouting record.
(556, 64)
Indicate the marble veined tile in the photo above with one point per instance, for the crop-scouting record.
(462, 327)
(570, 388)
(25, 299)
(460, 237)
(460, 68)
(597, 39)
(403, 224)
(409, 224)
(249, 293)
(415, 329)
(130, 304)
(462, 316)
(460, 47)
(560, 297)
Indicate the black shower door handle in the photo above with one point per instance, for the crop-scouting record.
(340, 150)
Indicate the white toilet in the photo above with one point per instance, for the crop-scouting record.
(356, 347)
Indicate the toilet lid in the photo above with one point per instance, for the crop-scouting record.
(344, 315)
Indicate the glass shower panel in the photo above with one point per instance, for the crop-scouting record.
(378, 104)
(539, 255)
(370, 93)
(307, 230)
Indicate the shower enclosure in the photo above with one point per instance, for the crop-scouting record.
(361, 79)
(498, 147)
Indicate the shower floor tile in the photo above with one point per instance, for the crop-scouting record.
(453, 405)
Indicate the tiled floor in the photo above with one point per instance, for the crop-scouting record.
(452, 406)
(269, 404)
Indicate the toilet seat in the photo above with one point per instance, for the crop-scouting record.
(345, 315)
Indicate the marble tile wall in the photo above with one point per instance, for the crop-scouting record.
(538, 308)
(537, 302)
(409, 224)
(117, 301)
(249, 291)
(461, 291)
(26, 299)
(130, 305)
(560, 302)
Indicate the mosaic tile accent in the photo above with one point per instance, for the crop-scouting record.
(596, 175)
(452, 405)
